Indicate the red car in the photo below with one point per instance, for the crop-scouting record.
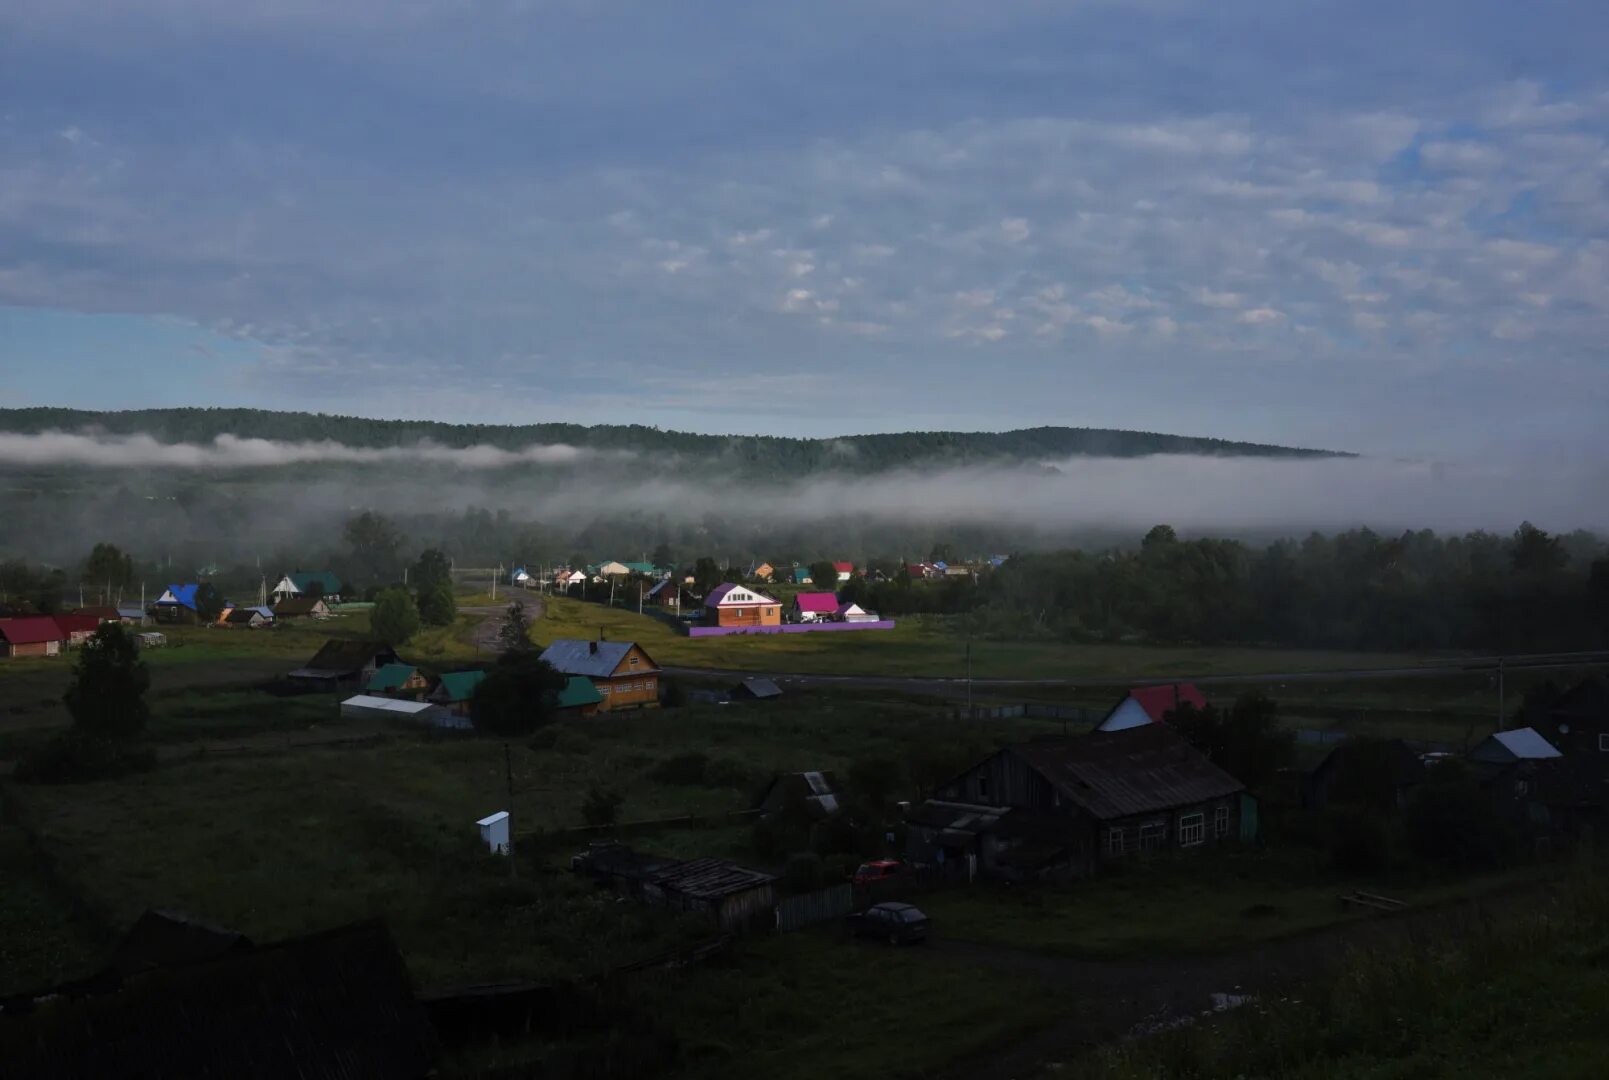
(870, 873)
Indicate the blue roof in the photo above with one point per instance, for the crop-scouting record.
(185, 594)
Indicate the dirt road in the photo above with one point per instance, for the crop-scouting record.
(486, 631)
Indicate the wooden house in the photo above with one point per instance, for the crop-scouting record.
(854, 613)
(398, 680)
(625, 676)
(1577, 722)
(1507, 747)
(302, 607)
(30, 635)
(343, 665)
(1149, 705)
(845, 570)
(1062, 807)
(249, 618)
(738, 605)
(309, 583)
(1381, 774)
(177, 604)
(454, 690)
(760, 572)
(817, 792)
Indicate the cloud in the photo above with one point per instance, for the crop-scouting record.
(233, 452)
(1259, 316)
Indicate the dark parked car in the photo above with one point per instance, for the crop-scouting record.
(894, 923)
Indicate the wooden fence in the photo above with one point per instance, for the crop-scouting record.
(823, 905)
(1033, 710)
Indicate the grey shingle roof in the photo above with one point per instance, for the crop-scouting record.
(594, 659)
(1113, 774)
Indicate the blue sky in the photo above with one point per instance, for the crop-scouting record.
(1374, 226)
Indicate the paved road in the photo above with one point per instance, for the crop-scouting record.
(953, 685)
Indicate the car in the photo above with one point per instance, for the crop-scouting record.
(869, 873)
(898, 924)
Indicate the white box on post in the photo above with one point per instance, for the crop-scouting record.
(494, 830)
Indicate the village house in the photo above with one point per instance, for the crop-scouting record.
(738, 605)
(854, 613)
(1149, 705)
(253, 618)
(625, 676)
(610, 568)
(846, 570)
(760, 572)
(801, 576)
(302, 607)
(399, 681)
(813, 607)
(454, 689)
(1381, 773)
(1063, 807)
(177, 604)
(343, 664)
(101, 613)
(666, 593)
(522, 577)
(1578, 721)
(77, 628)
(815, 791)
(315, 583)
(1508, 747)
(30, 635)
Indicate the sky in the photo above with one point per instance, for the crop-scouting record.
(1378, 227)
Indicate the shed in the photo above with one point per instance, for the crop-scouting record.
(854, 613)
(1378, 773)
(733, 895)
(254, 618)
(77, 628)
(373, 706)
(302, 607)
(758, 688)
(455, 689)
(579, 697)
(340, 663)
(1506, 747)
(153, 639)
(398, 680)
(1150, 705)
(816, 790)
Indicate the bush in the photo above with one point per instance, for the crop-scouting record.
(675, 694)
(76, 758)
(1450, 819)
(1359, 842)
(602, 806)
(683, 770)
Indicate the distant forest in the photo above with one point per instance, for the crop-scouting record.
(755, 454)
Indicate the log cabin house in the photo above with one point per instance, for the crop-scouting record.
(30, 635)
(625, 676)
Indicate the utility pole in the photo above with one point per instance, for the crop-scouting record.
(1502, 715)
(970, 713)
(508, 778)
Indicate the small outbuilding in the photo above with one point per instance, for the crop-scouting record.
(1507, 747)
(398, 680)
(579, 697)
(31, 635)
(302, 607)
(343, 664)
(817, 791)
(376, 707)
(756, 688)
(454, 689)
(1150, 705)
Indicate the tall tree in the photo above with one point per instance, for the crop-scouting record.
(517, 696)
(374, 540)
(706, 575)
(433, 568)
(106, 694)
(209, 602)
(108, 570)
(514, 635)
(824, 575)
(663, 556)
(437, 605)
(395, 617)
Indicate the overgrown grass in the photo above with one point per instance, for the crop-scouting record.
(815, 1004)
(1181, 904)
(1521, 998)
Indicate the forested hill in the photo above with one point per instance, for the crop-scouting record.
(767, 453)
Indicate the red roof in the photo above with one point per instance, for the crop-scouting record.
(1158, 701)
(844, 567)
(77, 624)
(824, 603)
(31, 630)
(98, 612)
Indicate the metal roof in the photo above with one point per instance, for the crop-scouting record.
(458, 685)
(822, 603)
(594, 659)
(347, 657)
(1521, 744)
(710, 879)
(577, 692)
(30, 630)
(388, 704)
(325, 579)
(1139, 770)
(391, 676)
(761, 688)
(1158, 701)
(183, 595)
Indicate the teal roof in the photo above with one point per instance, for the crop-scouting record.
(577, 692)
(326, 579)
(801, 576)
(460, 685)
(391, 676)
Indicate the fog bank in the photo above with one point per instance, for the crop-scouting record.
(233, 452)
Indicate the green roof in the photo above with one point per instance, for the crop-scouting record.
(326, 580)
(391, 676)
(460, 685)
(577, 692)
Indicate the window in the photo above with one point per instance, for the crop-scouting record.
(1116, 840)
(1192, 829)
(633, 661)
(1153, 835)
(603, 690)
(1603, 743)
(1220, 822)
(983, 785)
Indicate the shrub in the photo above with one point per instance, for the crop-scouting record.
(602, 806)
(75, 758)
(1358, 841)
(683, 770)
(675, 694)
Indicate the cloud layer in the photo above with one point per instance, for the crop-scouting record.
(1330, 224)
(233, 452)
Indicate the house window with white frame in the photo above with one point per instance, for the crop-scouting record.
(1220, 822)
(1603, 743)
(1117, 840)
(1153, 835)
(1192, 829)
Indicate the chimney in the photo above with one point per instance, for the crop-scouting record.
(594, 646)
